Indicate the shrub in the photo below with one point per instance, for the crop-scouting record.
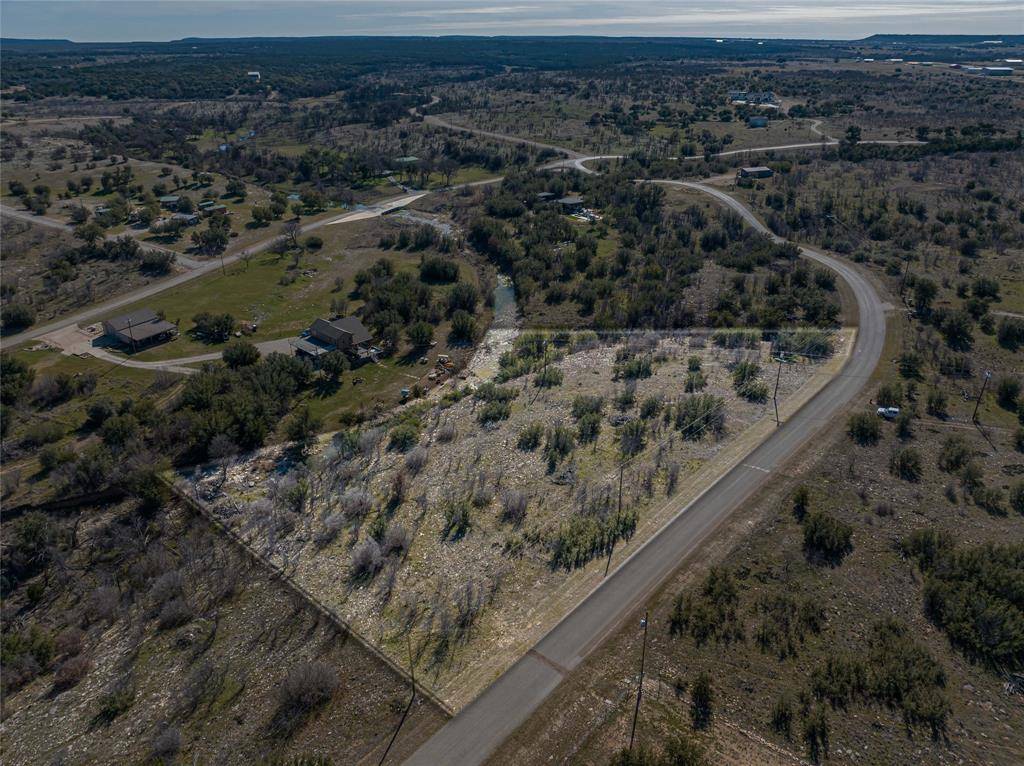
(403, 437)
(549, 377)
(16, 316)
(305, 687)
(558, 443)
(636, 368)
(700, 414)
(447, 432)
(864, 428)
(240, 353)
(166, 744)
(782, 717)
(826, 537)
(650, 407)
(906, 464)
(1017, 497)
(420, 334)
(355, 503)
(701, 702)
(695, 381)
(174, 613)
(816, 734)
(1010, 333)
(967, 596)
(71, 672)
(586, 405)
(513, 506)
(437, 269)
(632, 436)
(396, 540)
(494, 411)
(115, 703)
(416, 459)
(54, 456)
(366, 559)
(588, 428)
(1007, 393)
(710, 612)
(584, 537)
(458, 519)
(463, 327)
(955, 453)
(890, 395)
(801, 500)
(530, 436)
(936, 403)
(213, 328)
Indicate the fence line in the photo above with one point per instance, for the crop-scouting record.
(280, 575)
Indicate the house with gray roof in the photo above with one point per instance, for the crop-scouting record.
(142, 327)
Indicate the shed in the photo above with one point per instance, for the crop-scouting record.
(998, 71)
(170, 200)
(757, 171)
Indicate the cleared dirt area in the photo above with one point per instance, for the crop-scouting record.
(474, 539)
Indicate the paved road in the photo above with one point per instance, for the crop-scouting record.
(578, 162)
(431, 119)
(485, 723)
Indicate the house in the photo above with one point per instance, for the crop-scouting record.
(206, 204)
(757, 122)
(758, 171)
(142, 327)
(571, 204)
(410, 160)
(215, 209)
(765, 98)
(545, 196)
(346, 334)
(189, 219)
(253, 75)
(170, 200)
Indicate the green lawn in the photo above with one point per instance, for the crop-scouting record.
(255, 293)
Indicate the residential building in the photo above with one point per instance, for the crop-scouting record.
(347, 334)
(142, 327)
(571, 204)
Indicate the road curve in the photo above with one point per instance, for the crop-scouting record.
(485, 723)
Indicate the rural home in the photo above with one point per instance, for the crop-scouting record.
(571, 204)
(346, 334)
(141, 327)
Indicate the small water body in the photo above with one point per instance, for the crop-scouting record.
(506, 312)
(500, 335)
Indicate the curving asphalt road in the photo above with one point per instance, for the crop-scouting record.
(485, 723)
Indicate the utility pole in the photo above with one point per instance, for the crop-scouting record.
(131, 333)
(618, 518)
(906, 273)
(640, 687)
(412, 698)
(775, 396)
(977, 404)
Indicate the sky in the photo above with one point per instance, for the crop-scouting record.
(157, 20)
